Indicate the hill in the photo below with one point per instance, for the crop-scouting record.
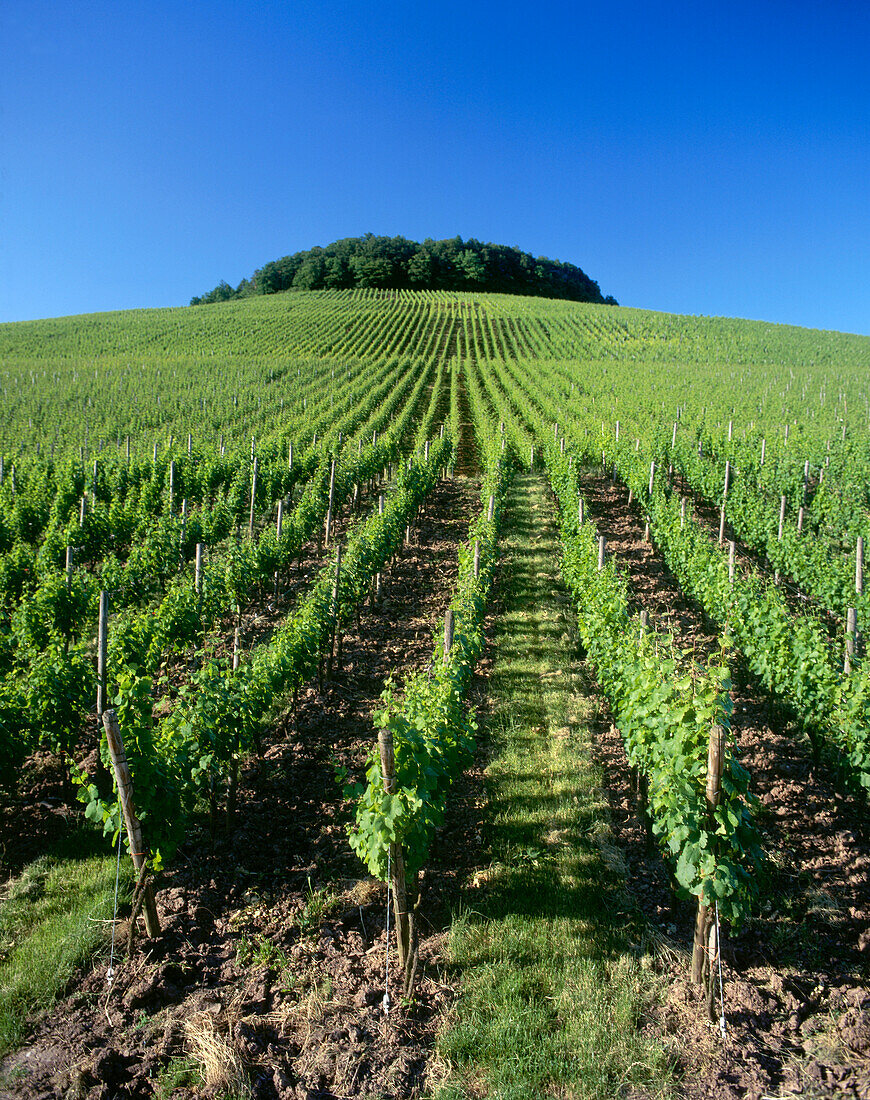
(394, 262)
(256, 494)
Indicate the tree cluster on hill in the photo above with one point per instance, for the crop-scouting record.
(395, 262)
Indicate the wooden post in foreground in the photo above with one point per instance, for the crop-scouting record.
(851, 636)
(134, 830)
(705, 946)
(448, 634)
(397, 861)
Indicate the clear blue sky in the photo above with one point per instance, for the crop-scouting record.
(695, 156)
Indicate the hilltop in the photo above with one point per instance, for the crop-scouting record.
(397, 263)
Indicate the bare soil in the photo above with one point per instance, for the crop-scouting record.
(274, 945)
(273, 951)
(795, 990)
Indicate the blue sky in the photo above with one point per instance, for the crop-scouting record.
(692, 157)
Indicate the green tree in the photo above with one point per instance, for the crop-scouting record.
(471, 267)
(335, 273)
(371, 271)
(421, 269)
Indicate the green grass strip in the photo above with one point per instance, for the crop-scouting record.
(555, 991)
(51, 921)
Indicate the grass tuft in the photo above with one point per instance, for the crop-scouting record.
(52, 919)
(220, 1066)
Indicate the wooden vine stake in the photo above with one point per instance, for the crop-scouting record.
(706, 947)
(134, 830)
(851, 636)
(448, 634)
(397, 860)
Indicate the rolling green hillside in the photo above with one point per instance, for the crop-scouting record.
(264, 505)
(65, 377)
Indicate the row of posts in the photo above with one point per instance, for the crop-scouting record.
(705, 944)
(109, 717)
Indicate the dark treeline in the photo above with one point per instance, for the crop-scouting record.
(394, 262)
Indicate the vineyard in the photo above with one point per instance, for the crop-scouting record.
(269, 579)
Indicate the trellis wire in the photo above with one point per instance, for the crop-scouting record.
(722, 1028)
(386, 1001)
(110, 973)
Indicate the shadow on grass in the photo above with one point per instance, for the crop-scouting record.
(547, 943)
